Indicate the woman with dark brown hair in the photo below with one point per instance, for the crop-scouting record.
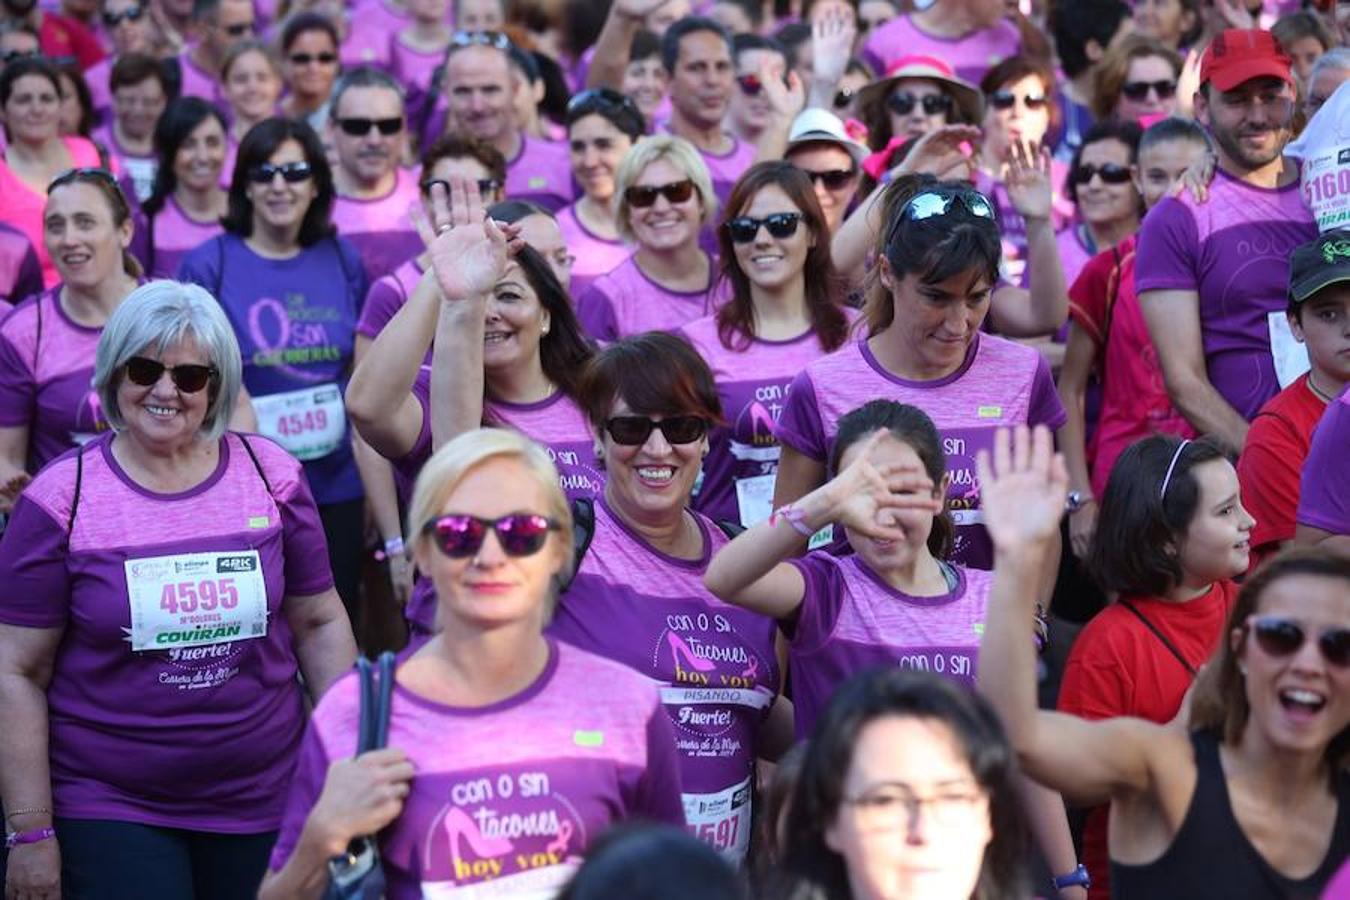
(784, 312)
(1137, 79)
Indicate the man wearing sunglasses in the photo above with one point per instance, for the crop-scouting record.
(221, 24)
(1212, 276)
(366, 130)
(751, 112)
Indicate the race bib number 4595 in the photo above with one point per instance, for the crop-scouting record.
(194, 599)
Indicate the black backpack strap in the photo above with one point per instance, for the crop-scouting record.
(75, 500)
(583, 532)
(383, 695)
(1162, 637)
(257, 465)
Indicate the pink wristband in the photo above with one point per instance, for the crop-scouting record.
(794, 517)
(15, 838)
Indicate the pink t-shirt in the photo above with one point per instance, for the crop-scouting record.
(172, 234)
(1000, 384)
(386, 297)
(46, 370)
(970, 56)
(715, 663)
(508, 798)
(23, 207)
(752, 383)
(851, 621)
(414, 68)
(380, 229)
(542, 173)
(595, 255)
(625, 301)
(203, 733)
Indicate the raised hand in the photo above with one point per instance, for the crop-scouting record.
(1022, 489)
(943, 152)
(787, 100)
(636, 9)
(468, 251)
(833, 31)
(1234, 14)
(1028, 180)
(1197, 177)
(866, 496)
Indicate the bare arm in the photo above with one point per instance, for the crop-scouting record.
(833, 30)
(616, 40)
(1173, 319)
(1049, 823)
(1309, 536)
(457, 380)
(1079, 356)
(26, 659)
(786, 101)
(13, 456)
(244, 418)
(323, 638)
(1045, 306)
(797, 476)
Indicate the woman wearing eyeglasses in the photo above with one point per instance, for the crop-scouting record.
(638, 595)
(130, 28)
(666, 198)
(938, 259)
(1136, 81)
(251, 77)
(1102, 187)
(509, 751)
(602, 126)
(1249, 797)
(34, 151)
(784, 313)
(309, 53)
(918, 94)
(291, 288)
(47, 343)
(169, 587)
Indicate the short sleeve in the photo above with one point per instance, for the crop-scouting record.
(1094, 685)
(1269, 476)
(656, 796)
(33, 568)
(202, 265)
(383, 301)
(18, 387)
(29, 280)
(1169, 249)
(800, 426)
(311, 770)
(1324, 498)
(822, 599)
(595, 312)
(1045, 407)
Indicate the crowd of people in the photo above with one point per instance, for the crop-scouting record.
(810, 449)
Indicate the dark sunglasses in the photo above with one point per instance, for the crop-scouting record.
(85, 174)
(10, 56)
(239, 30)
(642, 196)
(304, 59)
(460, 536)
(843, 97)
(1111, 173)
(833, 179)
(1138, 90)
(1279, 637)
(189, 378)
(292, 172)
(633, 431)
(130, 14)
(1006, 100)
(486, 186)
(358, 127)
(903, 104)
(744, 229)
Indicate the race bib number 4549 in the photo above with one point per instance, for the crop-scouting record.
(194, 599)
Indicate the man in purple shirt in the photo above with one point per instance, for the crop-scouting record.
(1211, 276)
(221, 24)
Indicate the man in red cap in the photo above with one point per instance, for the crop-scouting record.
(1211, 276)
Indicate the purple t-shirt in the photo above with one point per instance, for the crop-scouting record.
(99, 78)
(595, 255)
(970, 56)
(541, 173)
(625, 301)
(414, 68)
(47, 386)
(850, 621)
(203, 733)
(1000, 384)
(20, 271)
(296, 323)
(372, 24)
(197, 82)
(1233, 250)
(162, 240)
(138, 170)
(1324, 493)
(386, 297)
(715, 663)
(752, 383)
(380, 229)
(509, 797)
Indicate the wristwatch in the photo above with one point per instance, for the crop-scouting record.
(1076, 501)
(1077, 877)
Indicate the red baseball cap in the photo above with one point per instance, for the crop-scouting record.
(1241, 54)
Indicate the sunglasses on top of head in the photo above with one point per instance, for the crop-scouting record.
(1279, 637)
(744, 229)
(1005, 100)
(1139, 90)
(189, 378)
(130, 14)
(633, 431)
(642, 196)
(1111, 173)
(462, 536)
(903, 104)
(360, 127)
(292, 172)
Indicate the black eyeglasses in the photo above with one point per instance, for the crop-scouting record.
(481, 39)
(84, 174)
(130, 14)
(633, 431)
(1279, 637)
(10, 56)
(903, 104)
(843, 97)
(642, 196)
(486, 186)
(1006, 100)
(744, 229)
(189, 378)
(359, 127)
(833, 179)
(1111, 173)
(292, 172)
(461, 536)
(1138, 90)
(239, 30)
(304, 59)
(603, 97)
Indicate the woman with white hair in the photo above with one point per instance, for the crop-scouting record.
(666, 199)
(525, 748)
(167, 581)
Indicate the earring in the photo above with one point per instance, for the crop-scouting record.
(1242, 670)
(543, 330)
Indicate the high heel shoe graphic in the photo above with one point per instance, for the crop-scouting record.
(458, 825)
(679, 648)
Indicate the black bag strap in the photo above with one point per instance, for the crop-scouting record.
(257, 465)
(375, 694)
(75, 500)
(1162, 637)
(583, 532)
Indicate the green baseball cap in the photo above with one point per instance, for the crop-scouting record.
(1319, 263)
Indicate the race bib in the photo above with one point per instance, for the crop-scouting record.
(721, 819)
(754, 499)
(310, 423)
(1291, 357)
(195, 599)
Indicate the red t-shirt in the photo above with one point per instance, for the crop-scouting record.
(1272, 461)
(1118, 667)
(1104, 303)
(61, 36)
